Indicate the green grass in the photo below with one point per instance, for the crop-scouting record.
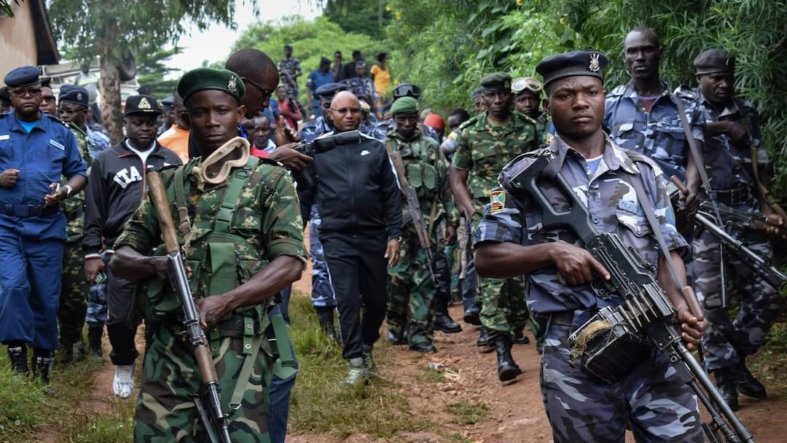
(770, 364)
(467, 413)
(21, 403)
(320, 405)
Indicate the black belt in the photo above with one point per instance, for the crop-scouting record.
(29, 210)
(234, 327)
(732, 197)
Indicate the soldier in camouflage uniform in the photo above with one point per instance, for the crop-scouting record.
(411, 288)
(642, 116)
(290, 70)
(487, 142)
(74, 287)
(511, 240)
(527, 100)
(239, 258)
(732, 133)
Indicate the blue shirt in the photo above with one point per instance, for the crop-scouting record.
(317, 79)
(42, 157)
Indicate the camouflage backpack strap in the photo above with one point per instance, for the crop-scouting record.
(235, 187)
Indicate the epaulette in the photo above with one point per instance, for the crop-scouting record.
(687, 93)
(642, 158)
(473, 120)
(617, 91)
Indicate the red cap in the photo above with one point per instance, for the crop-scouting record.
(435, 122)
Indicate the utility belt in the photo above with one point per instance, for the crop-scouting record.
(732, 197)
(29, 210)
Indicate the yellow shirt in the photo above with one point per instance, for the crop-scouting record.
(382, 80)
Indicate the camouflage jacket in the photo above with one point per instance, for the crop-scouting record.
(729, 166)
(426, 172)
(74, 206)
(658, 133)
(483, 149)
(266, 219)
(613, 207)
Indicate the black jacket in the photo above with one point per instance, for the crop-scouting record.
(357, 190)
(114, 192)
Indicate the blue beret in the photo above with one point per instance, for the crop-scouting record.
(22, 76)
(202, 79)
(141, 104)
(572, 64)
(73, 94)
(328, 90)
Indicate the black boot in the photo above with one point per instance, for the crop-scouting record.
(748, 385)
(444, 322)
(326, 322)
(17, 355)
(520, 338)
(94, 334)
(507, 369)
(42, 363)
(472, 315)
(483, 340)
(725, 383)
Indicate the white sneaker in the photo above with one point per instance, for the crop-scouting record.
(123, 383)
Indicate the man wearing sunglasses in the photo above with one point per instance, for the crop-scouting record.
(359, 201)
(36, 151)
(527, 101)
(486, 143)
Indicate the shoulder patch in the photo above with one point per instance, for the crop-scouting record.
(497, 201)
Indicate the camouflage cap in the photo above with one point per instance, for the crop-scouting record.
(499, 81)
(715, 60)
(404, 105)
(572, 64)
(202, 79)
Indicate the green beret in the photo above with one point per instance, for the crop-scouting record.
(201, 79)
(572, 64)
(404, 105)
(499, 81)
(713, 61)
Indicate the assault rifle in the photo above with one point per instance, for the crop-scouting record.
(755, 221)
(414, 210)
(645, 315)
(208, 403)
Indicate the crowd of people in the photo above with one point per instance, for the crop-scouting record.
(406, 212)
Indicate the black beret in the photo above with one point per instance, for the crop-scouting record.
(23, 76)
(73, 94)
(202, 79)
(141, 104)
(572, 64)
(328, 90)
(714, 60)
(499, 81)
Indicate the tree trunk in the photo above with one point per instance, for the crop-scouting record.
(110, 98)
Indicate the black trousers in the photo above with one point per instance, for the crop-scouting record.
(358, 272)
(120, 303)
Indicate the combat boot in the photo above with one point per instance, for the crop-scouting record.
(748, 385)
(42, 363)
(94, 334)
(325, 314)
(369, 363)
(443, 322)
(17, 355)
(472, 315)
(507, 369)
(725, 383)
(483, 341)
(520, 338)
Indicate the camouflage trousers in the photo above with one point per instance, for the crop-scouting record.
(170, 379)
(503, 306)
(652, 400)
(411, 293)
(726, 341)
(73, 295)
(322, 289)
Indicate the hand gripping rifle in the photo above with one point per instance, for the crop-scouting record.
(414, 211)
(645, 316)
(208, 403)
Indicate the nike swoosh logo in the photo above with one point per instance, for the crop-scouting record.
(365, 152)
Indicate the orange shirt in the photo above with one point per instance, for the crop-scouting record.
(177, 140)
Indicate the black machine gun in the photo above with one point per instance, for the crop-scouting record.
(414, 211)
(208, 403)
(615, 338)
(759, 265)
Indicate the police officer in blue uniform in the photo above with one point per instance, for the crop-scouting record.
(36, 150)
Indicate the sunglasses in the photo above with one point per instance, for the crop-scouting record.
(530, 84)
(21, 92)
(265, 92)
(346, 110)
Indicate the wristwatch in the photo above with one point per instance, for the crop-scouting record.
(68, 189)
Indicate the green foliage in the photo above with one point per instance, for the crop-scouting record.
(360, 16)
(153, 67)
(21, 405)
(6, 8)
(310, 41)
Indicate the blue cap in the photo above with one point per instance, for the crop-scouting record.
(23, 76)
(328, 90)
(572, 64)
(73, 94)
